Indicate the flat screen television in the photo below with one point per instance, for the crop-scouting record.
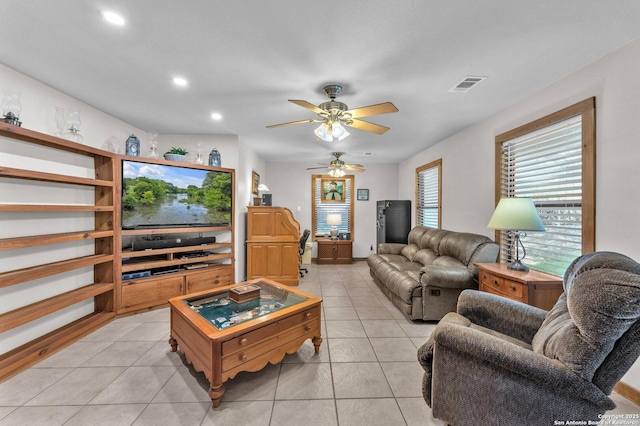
(172, 196)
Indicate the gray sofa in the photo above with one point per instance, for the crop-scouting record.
(425, 277)
(501, 362)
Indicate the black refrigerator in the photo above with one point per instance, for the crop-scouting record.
(393, 221)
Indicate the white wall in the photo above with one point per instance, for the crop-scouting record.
(468, 156)
(290, 185)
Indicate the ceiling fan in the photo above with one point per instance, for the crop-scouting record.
(338, 168)
(335, 115)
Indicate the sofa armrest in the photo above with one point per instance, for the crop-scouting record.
(480, 349)
(446, 277)
(390, 248)
(503, 315)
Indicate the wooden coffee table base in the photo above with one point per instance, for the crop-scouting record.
(216, 390)
(250, 346)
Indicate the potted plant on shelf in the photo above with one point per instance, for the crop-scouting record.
(175, 154)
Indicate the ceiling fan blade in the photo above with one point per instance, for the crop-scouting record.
(313, 168)
(368, 127)
(309, 120)
(309, 106)
(384, 108)
(355, 168)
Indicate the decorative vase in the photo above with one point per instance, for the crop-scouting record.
(174, 157)
(11, 108)
(153, 145)
(73, 126)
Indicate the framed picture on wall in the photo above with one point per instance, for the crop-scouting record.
(332, 190)
(255, 182)
(363, 195)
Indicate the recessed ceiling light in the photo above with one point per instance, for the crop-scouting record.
(113, 18)
(216, 116)
(179, 81)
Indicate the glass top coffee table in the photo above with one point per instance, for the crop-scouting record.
(242, 327)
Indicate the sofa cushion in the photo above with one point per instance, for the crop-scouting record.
(461, 245)
(425, 256)
(409, 251)
(584, 325)
(407, 266)
(431, 239)
(393, 258)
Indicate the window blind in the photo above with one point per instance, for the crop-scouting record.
(546, 166)
(323, 209)
(428, 197)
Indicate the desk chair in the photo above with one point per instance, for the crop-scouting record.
(303, 245)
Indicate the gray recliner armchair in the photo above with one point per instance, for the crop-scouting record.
(500, 362)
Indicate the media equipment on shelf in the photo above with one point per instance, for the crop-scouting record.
(175, 196)
(171, 242)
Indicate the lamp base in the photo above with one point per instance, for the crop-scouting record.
(334, 233)
(518, 266)
(257, 201)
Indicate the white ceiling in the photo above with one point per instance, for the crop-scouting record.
(245, 59)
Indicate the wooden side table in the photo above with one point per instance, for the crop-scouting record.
(334, 252)
(532, 287)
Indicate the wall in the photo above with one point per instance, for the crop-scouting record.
(290, 185)
(468, 156)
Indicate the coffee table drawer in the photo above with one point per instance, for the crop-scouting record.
(249, 339)
(273, 342)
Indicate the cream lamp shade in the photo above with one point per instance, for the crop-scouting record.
(263, 187)
(514, 214)
(334, 219)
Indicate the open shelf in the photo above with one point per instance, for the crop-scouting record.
(38, 240)
(103, 238)
(37, 310)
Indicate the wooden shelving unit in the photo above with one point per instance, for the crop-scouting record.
(101, 290)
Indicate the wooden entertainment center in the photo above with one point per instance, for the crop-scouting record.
(75, 190)
(179, 272)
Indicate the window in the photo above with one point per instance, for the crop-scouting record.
(552, 161)
(331, 195)
(428, 194)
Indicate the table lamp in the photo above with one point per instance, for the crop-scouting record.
(334, 219)
(257, 201)
(266, 198)
(515, 215)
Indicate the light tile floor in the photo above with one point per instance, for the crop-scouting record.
(125, 374)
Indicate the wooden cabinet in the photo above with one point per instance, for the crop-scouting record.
(334, 252)
(532, 287)
(175, 271)
(74, 200)
(273, 241)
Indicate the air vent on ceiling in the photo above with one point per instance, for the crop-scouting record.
(466, 84)
(367, 154)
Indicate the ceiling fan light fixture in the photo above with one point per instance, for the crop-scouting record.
(338, 131)
(324, 132)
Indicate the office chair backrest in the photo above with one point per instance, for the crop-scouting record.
(303, 240)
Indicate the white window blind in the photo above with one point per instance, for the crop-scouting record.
(546, 166)
(323, 209)
(428, 196)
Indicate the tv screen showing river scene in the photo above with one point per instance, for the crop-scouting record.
(157, 195)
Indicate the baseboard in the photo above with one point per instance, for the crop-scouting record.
(629, 392)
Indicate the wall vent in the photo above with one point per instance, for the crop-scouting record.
(466, 84)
